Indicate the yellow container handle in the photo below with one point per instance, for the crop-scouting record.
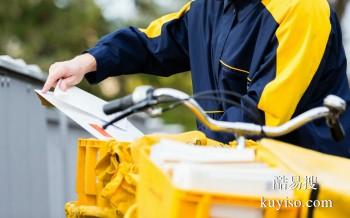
(131, 212)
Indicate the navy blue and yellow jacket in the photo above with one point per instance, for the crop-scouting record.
(283, 56)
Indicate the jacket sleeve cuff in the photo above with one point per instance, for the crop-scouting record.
(105, 64)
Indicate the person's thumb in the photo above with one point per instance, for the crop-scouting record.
(67, 83)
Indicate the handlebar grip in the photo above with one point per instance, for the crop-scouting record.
(118, 105)
(337, 131)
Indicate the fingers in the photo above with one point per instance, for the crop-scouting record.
(49, 84)
(54, 76)
(71, 72)
(67, 83)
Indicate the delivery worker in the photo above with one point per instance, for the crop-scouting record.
(283, 56)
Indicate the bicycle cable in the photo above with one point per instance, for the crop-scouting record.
(201, 95)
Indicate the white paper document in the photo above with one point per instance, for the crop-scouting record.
(86, 110)
(172, 152)
(238, 181)
(213, 170)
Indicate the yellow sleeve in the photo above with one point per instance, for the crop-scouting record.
(303, 32)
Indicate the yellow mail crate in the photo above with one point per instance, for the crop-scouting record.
(89, 188)
(157, 197)
(106, 187)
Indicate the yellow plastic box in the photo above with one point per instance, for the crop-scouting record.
(88, 188)
(158, 198)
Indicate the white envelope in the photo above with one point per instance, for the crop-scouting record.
(86, 110)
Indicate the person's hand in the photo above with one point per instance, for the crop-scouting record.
(70, 72)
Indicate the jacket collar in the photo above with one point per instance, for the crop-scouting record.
(227, 3)
(243, 7)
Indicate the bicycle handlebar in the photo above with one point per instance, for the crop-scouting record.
(140, 93)
(147, 98)
(118, 105)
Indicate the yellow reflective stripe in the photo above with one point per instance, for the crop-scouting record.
(155, 28)
(214, 112)
(303, 32)
(233, 68)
